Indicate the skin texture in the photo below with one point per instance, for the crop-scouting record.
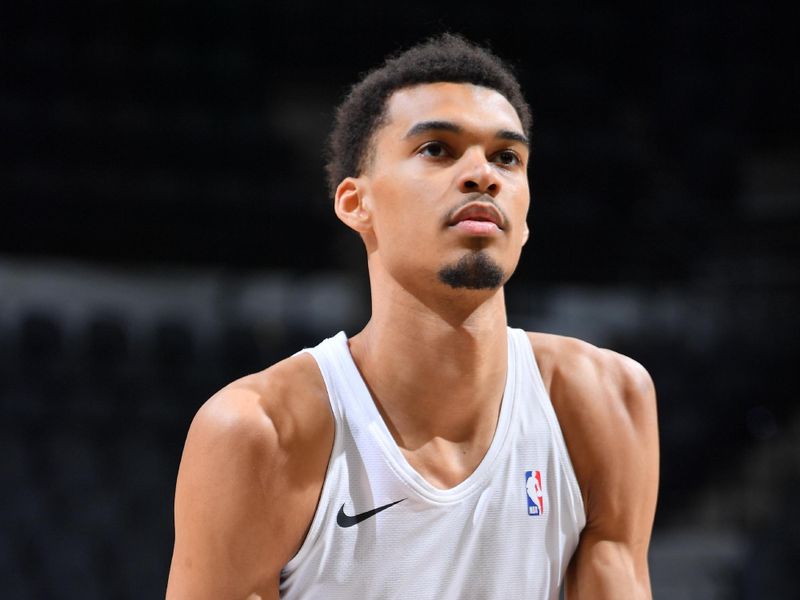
(256, 452)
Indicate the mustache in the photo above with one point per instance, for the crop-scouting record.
(476, 197)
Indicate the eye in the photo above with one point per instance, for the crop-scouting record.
(433, 150)
(508, 158)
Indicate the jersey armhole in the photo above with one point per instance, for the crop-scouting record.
(324, 496)
(567, 468)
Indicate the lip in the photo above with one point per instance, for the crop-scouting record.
(478, 212)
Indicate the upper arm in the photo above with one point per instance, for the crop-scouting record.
(606, 403)
(244, 497)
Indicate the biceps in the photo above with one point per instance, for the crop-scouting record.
(606, 570)
(216, 553)
(223, 534)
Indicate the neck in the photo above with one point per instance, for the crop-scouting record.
(435, 365)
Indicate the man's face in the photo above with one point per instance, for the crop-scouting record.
(446, 188)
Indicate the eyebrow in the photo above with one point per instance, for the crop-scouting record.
(427, 126)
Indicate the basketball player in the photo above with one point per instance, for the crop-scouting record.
(437, 454)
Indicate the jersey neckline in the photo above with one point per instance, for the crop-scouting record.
(395, 458)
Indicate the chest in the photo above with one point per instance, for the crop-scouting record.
(445, 465)
(380, 536)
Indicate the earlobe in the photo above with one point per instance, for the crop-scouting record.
(350, 206)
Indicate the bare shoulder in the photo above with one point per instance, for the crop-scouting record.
(568, 363)
(606, 405)
(283, 400)
(272, 418)
(249, 479)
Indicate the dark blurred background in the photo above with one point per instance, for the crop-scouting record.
(164, 229)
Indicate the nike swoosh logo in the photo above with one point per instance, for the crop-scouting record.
(344, 520)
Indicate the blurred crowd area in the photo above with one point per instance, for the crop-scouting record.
(101, 371)
(165, 229)
(100, 375)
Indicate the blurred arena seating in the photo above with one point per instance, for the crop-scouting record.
(103, 371)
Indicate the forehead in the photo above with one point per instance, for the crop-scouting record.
(471, 106)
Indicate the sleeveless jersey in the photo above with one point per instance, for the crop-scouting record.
(382, 531)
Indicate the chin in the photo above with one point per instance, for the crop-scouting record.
(473, 271)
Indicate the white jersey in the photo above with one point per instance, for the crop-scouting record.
(382, 531)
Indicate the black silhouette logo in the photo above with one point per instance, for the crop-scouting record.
(344, 520)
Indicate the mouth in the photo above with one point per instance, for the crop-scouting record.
(479, 218)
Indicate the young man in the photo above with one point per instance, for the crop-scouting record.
(437, 453)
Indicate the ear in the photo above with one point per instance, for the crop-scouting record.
(526, 233)
(350, 205)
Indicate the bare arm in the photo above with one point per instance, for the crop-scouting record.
(606, 403)
(247, 487)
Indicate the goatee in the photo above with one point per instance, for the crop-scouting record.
(473, 271)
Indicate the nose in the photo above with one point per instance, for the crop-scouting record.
(478, 175)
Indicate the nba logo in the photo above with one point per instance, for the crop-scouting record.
(533, 487)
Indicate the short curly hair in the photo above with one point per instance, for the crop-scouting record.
(444, 58)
